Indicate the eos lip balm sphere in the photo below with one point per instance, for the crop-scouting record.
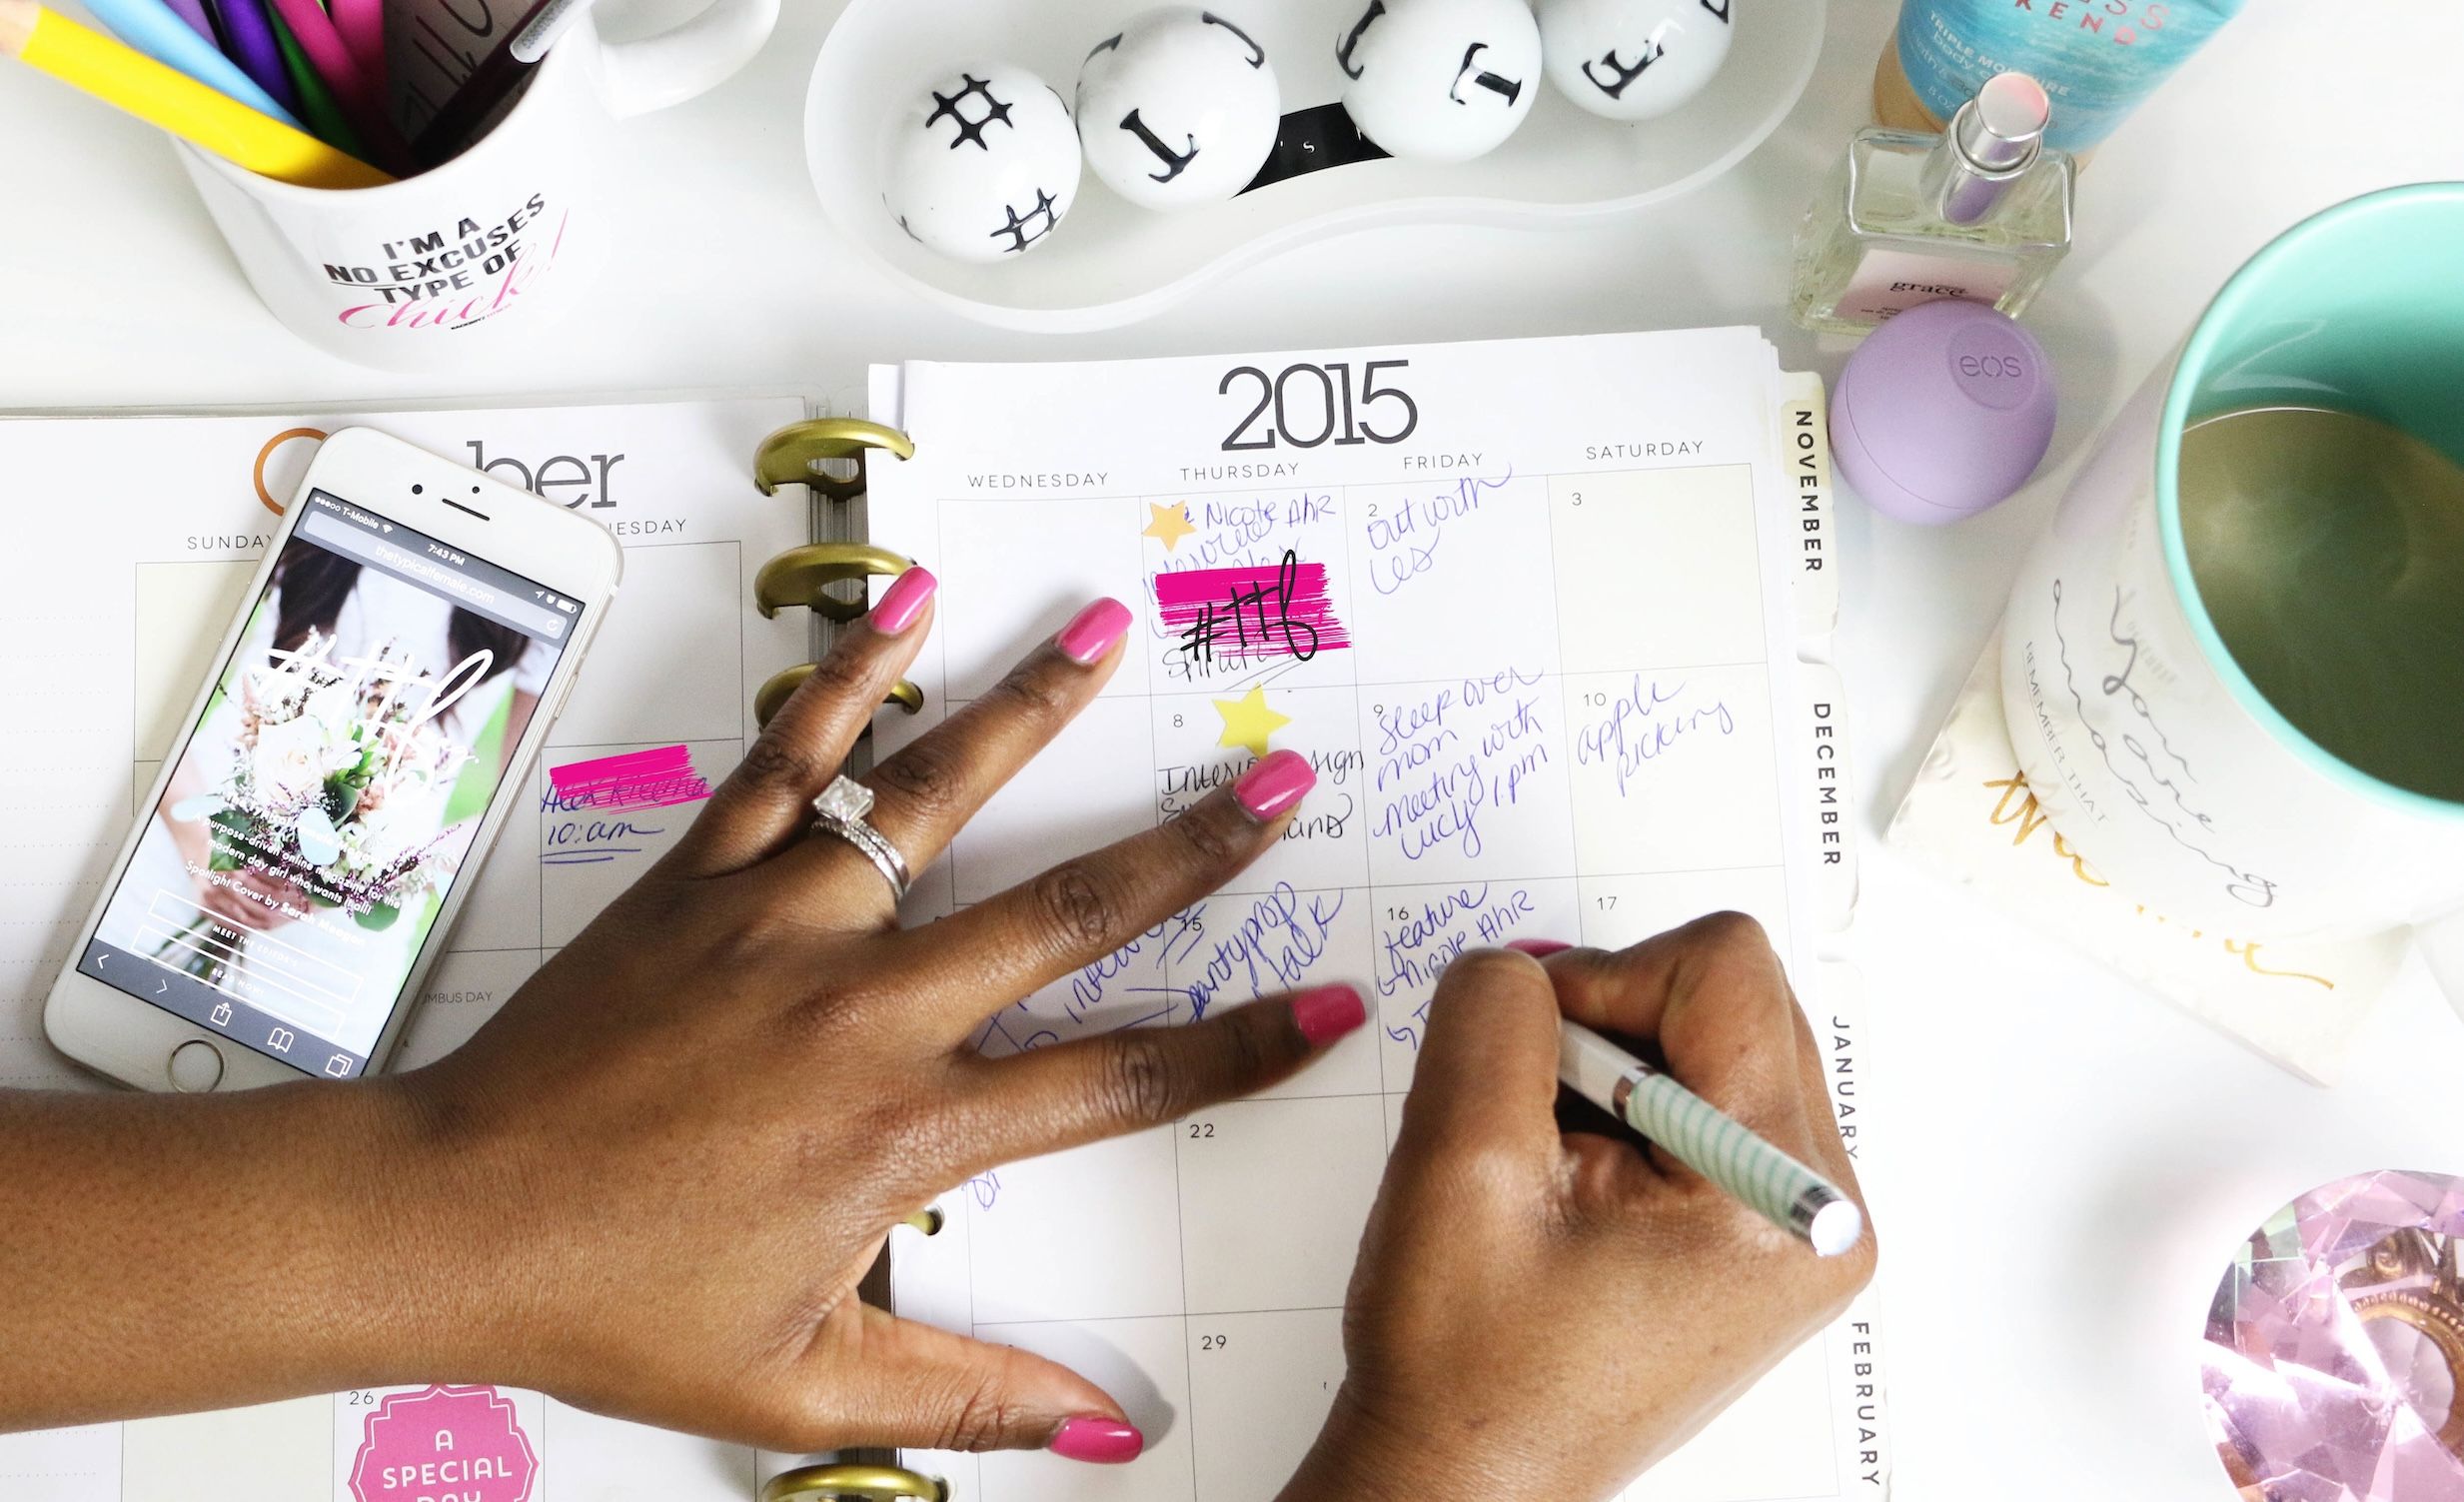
(1634, 59)
(983, 164)
(1440, 80)
(1180, 108)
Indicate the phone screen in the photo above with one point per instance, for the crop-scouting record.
(325, 802)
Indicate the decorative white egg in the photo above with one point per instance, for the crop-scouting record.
(1634, 59)
(1440, 80)
(983, 164)
(1178, 108)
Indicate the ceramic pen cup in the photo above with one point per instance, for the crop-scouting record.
(435, 271)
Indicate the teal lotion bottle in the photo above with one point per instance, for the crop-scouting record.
(2096, 58)
(1979, 212)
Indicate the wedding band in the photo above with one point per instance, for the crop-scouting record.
(841, 811)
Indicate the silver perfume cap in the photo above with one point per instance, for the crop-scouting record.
(1993, 142)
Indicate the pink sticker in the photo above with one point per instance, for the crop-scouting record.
(1251, 615)
(448, 1444)
(659, 779)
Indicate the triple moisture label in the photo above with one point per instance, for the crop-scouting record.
(1889, 282)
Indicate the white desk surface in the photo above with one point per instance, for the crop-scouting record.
(2065, 1164)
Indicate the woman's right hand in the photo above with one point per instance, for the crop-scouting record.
(1542, 1314)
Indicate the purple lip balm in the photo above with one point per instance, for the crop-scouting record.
(1942, 413)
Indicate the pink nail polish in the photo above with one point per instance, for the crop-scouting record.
(1271, 789)
(903, 602)
(1539, 948)
(1098, 1441)
(1092, 632)
(1328, 1012)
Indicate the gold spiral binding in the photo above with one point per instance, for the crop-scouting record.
(776, 692)
(802, 578)
(853, 1483)
(790, 455)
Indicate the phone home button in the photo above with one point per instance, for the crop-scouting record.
(196, 1067)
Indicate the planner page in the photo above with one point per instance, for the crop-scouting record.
(135, 541)
(1530, 610)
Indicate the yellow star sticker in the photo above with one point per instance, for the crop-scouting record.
(1249, 721)
(1168, 525)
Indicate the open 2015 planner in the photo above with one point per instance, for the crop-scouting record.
(1540, 614)
(1544, 614)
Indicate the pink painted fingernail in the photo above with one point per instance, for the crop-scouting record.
(1539, 948)
(1092, 632)
(1328, 1012)
(902, 604)
(1098, 1441)
(1269, 790)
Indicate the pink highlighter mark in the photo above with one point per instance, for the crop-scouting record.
(461, 1442)
(1251, 614)
(659, 779)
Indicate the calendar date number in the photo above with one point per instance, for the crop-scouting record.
(1309, 406)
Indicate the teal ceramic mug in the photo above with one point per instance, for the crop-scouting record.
(2195, 786)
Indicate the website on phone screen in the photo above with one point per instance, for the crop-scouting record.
(328, 798)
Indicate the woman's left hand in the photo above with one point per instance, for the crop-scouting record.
(652, 1183)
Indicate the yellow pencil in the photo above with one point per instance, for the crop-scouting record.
(171, 99)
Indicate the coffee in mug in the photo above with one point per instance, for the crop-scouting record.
(2328, 548)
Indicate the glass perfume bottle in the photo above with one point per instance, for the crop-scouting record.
(1980, 211)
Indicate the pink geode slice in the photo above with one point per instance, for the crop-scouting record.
(2334, 1363)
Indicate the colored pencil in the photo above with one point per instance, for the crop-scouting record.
(314, 30)
(248, 37)
(317, 102)
(362, 25)
(193, 12)
(212, 121)
(152, 28)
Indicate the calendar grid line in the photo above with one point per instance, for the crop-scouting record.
(1196, 493)
(1200, 691)
(1386, 1083)
(1635, 876)
(1180, 1240)
(1186, 1314)
(1574, 818)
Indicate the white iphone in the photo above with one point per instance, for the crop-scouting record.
(373, 717)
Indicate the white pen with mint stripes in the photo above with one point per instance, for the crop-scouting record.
(1695, 1133)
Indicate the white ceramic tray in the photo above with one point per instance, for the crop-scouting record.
(1110, 264)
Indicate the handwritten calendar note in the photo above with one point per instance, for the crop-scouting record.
(1526, 607)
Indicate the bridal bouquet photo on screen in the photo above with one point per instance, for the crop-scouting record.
(334, 787)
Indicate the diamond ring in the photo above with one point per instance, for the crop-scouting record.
(841, 809)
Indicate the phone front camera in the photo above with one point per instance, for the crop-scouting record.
(418, 490)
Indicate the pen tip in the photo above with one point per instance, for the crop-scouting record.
(1836, 1228)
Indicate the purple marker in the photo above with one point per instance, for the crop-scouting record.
(193, 13)
(248, 39)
